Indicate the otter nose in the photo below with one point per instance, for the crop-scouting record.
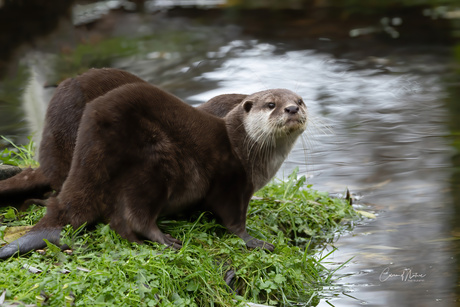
(291, 109)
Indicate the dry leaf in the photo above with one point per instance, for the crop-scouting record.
(15, 232)
(367, 214)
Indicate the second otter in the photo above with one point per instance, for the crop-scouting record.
(142, 153)
(60, 132)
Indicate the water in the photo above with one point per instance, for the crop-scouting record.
(382, 134)
(379, 126)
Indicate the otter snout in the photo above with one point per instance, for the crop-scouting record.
(291, 109)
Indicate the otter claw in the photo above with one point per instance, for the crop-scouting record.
(170, 241)
(254, 243)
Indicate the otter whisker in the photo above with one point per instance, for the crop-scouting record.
(318, 124)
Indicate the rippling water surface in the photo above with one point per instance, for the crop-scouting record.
(379, 127)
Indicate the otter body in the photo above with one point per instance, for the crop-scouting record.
(141, 152)
(60, 132)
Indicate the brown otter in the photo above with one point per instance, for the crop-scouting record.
(60, 132)
(222, 104)
(141, 152)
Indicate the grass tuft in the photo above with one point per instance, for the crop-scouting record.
(19, 155)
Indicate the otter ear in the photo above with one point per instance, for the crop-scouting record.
(247, 106)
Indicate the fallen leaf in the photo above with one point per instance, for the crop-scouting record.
(83, 269)
(15, 232)
(367, 214)
(31, 269)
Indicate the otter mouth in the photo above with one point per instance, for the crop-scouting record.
(295, 123)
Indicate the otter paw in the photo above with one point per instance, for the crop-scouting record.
(172, 242)
(254, 243)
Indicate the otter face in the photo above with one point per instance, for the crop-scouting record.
(274, 114)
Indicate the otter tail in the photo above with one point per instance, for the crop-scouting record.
(30, 183)
(32, 240)
(49, 228)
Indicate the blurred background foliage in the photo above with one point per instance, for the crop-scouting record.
(428, 21)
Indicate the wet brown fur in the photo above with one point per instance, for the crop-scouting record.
(222, 104)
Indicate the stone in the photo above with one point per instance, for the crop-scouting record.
(7, 171)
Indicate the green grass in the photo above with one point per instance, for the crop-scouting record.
(19, 155)
(104, 269)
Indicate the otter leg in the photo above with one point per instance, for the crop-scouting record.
(234, 219)
(135, 214)
(121, 226)
(154, 234)
(151, 232)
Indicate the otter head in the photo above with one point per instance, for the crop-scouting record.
(273, 120)
(274, 116)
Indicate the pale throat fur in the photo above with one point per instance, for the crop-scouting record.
(273, 120)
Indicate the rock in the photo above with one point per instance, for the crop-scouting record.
(7, 171)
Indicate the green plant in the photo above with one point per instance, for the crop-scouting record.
(297, 213)
(19, 155)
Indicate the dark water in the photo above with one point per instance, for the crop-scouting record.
(380, 125)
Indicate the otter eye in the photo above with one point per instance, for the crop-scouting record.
(271, 105)
(300, 102)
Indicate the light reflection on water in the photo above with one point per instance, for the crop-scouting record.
(380, 131)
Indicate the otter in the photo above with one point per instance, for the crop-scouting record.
(141, 153)
(34, 185)
(59, 134)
